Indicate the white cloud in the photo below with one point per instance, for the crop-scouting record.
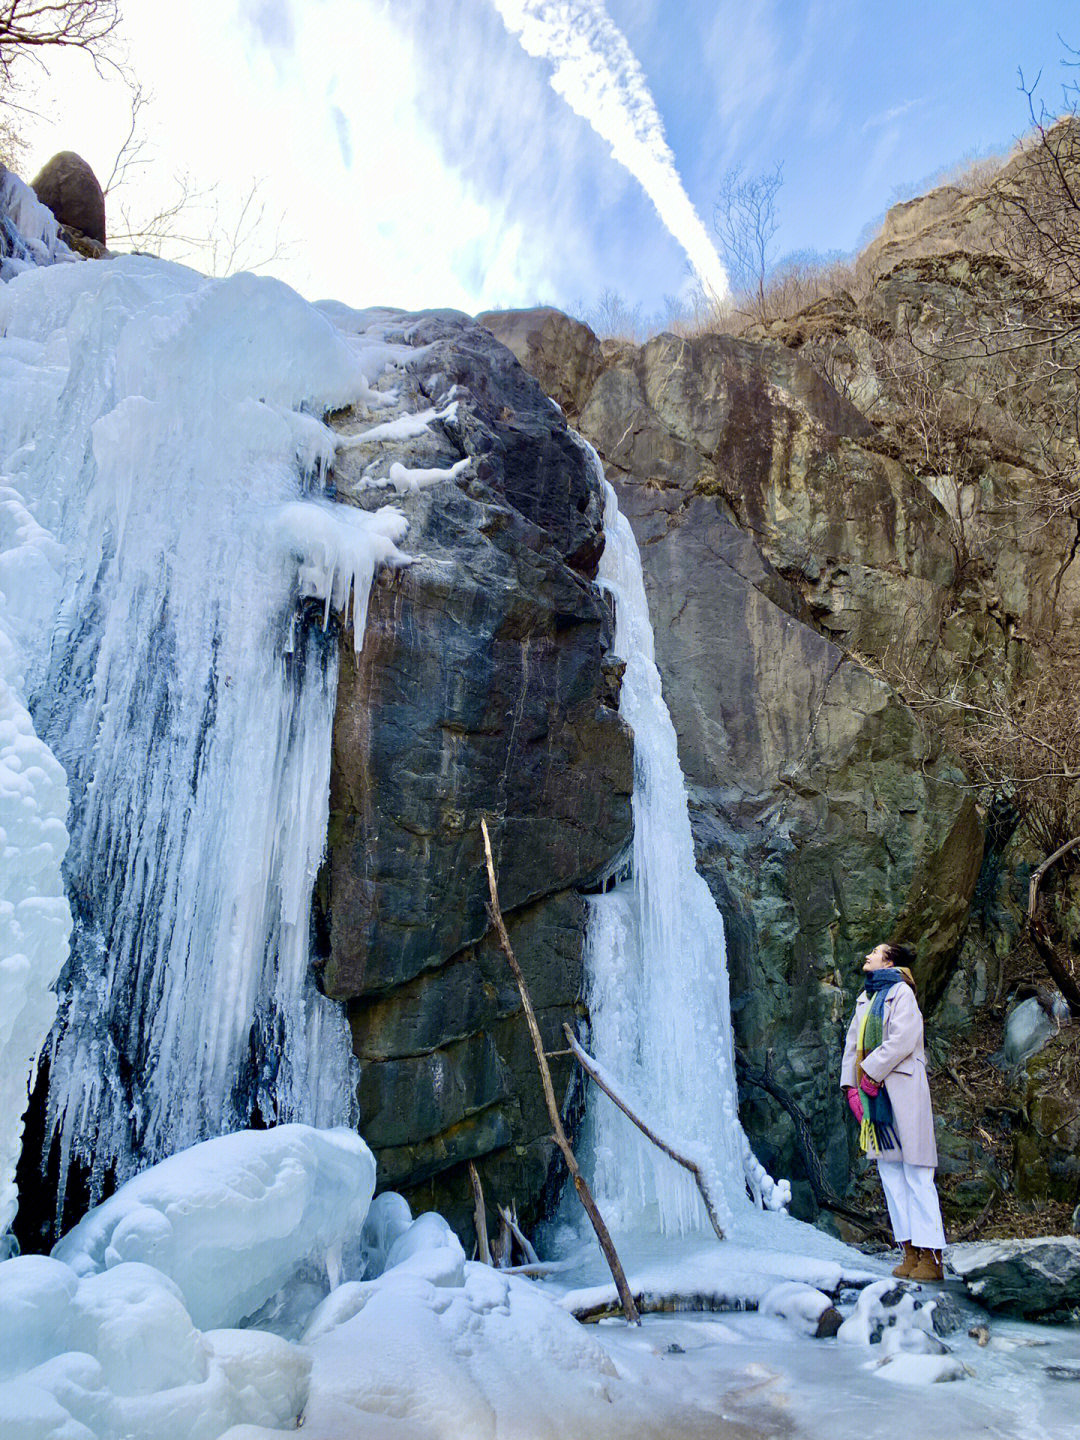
(598, 76)
(289, 97)
(886, 117)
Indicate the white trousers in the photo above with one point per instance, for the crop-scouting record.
(912, 1199)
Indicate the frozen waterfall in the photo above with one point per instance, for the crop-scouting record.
(163, 517)
(656, 968)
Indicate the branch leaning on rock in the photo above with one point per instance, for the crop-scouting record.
(589, 1065)
(626, 1299)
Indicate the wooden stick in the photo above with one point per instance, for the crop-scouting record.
(482, 1246)
(588, 1064)
(584, 1194)
(531, 1257)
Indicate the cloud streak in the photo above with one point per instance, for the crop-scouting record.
(597, 74)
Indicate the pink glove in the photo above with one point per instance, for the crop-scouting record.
(854, 1099)
(868, 1086)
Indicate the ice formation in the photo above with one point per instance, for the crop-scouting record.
(29, 234)
(231, 1220)
(656, 965)
(35, 920)
(163, 464)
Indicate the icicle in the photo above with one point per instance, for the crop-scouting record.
(656, 966)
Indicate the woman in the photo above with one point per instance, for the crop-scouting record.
(884, 1075)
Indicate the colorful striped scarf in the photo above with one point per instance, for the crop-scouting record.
(878, 1129)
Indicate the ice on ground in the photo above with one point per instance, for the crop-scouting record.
(429, 1346)
(231, 1221)
(123, 1361)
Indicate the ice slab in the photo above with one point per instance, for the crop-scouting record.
(231, 1220)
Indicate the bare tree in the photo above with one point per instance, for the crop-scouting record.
(30, 29)
(745, 221)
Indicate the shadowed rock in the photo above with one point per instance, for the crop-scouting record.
(68, 186)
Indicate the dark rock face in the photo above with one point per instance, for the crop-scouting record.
(484, 688)
(68, 186)
(1033, 1279)
(775, 543)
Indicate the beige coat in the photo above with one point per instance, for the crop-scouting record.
(900, 1062)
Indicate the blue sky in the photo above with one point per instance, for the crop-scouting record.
(413, 153)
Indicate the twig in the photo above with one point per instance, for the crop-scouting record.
(961, 1084)
(531, 1257)
(1041, 936)
(980, 1220)
(626, 1299)
(482, 1247)
(588, 1064)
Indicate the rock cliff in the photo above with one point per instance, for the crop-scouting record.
(484, 688)
(776, 546)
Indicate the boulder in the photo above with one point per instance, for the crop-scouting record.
(1033, 1279)
(70, 189)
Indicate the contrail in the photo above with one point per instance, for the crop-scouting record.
(598, 76)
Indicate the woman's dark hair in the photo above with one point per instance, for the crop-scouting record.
(900, 955)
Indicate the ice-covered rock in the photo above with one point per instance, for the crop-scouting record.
(388, 1218)
(895, 1316)
(1031, 1278)
(115, 1356)
(36, 1313)
(29, 233)
(231, 1220)
(803, 1307)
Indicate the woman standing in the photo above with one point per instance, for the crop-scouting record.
(884, 1075)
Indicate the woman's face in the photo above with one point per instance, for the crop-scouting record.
(877, 959)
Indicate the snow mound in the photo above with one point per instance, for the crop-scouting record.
(231, 1220)
(115, 1356)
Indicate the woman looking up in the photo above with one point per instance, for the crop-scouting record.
(884, 1075)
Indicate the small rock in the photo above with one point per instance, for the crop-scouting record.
(674, 1349)
(70, 189)
(945, 1315)
(1062, 1372)
(828, 1324)
(980, 1334)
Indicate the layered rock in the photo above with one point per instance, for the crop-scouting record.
(484, 688)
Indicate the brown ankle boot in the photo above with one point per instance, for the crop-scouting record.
(909, 1261)
(928, 1268)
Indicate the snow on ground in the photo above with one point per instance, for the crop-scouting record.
(277, 1298)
